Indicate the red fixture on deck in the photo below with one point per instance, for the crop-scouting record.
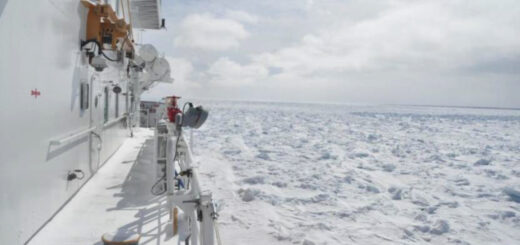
(172, 107)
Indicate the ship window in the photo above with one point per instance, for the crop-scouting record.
(117, 105)
(106, 104)
(126, 101)
(84, 96)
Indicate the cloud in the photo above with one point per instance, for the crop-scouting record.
(206, 32)
(423, 36)
(309, 4)
(375, 51)
(242, 16)
(225, 72)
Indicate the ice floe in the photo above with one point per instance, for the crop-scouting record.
(339, 174)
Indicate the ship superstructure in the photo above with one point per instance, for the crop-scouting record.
(71, 77)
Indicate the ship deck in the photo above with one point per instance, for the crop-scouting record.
(115, 200)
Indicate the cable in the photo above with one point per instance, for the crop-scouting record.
(156, 183)
(84, 43)
(100, 50)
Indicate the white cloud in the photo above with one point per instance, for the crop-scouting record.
(356, 50)
(225, 72)
(206, 32)
(414, 36)
(241, 16)
(309, 4)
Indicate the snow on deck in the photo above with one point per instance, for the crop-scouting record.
(116, 199)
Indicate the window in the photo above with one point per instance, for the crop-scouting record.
(126, 100)
(84, 96)
(106, 104)
(117, 105)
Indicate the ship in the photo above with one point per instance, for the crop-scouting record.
(72, 74)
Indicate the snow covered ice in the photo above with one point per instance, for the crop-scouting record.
(341, 174)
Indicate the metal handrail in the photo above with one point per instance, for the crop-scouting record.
(72, 137)
(113, 121)
(83, 133)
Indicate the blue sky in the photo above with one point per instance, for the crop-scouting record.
(456, 52)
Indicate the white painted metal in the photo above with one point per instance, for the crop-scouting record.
(146, 14)
(71, 138)
(44, 133)
(114, 121)
(141, 81)
(198, 209)
(96, 121)
(148, 52)
(116, 200)
(157, 70)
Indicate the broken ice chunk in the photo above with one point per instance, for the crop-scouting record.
(308, 242)
(507, 214)
(280, 184)
(482, 162)
(512, 193)
(389, 167)
(422, 228)
(263, 155)
(254, 180)
(440, 227)
(397, 195)
(371, 188)
(421, 217)
(461, 182)
(247, 195)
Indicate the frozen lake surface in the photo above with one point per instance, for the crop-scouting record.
(340, 174)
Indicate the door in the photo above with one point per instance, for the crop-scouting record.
(96, 122)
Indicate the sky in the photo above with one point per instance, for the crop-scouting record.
(453, 52)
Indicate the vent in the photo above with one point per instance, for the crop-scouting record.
(145, 14)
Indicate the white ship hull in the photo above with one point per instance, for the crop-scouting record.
(42, 127)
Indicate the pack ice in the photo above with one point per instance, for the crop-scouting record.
(342, 174)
